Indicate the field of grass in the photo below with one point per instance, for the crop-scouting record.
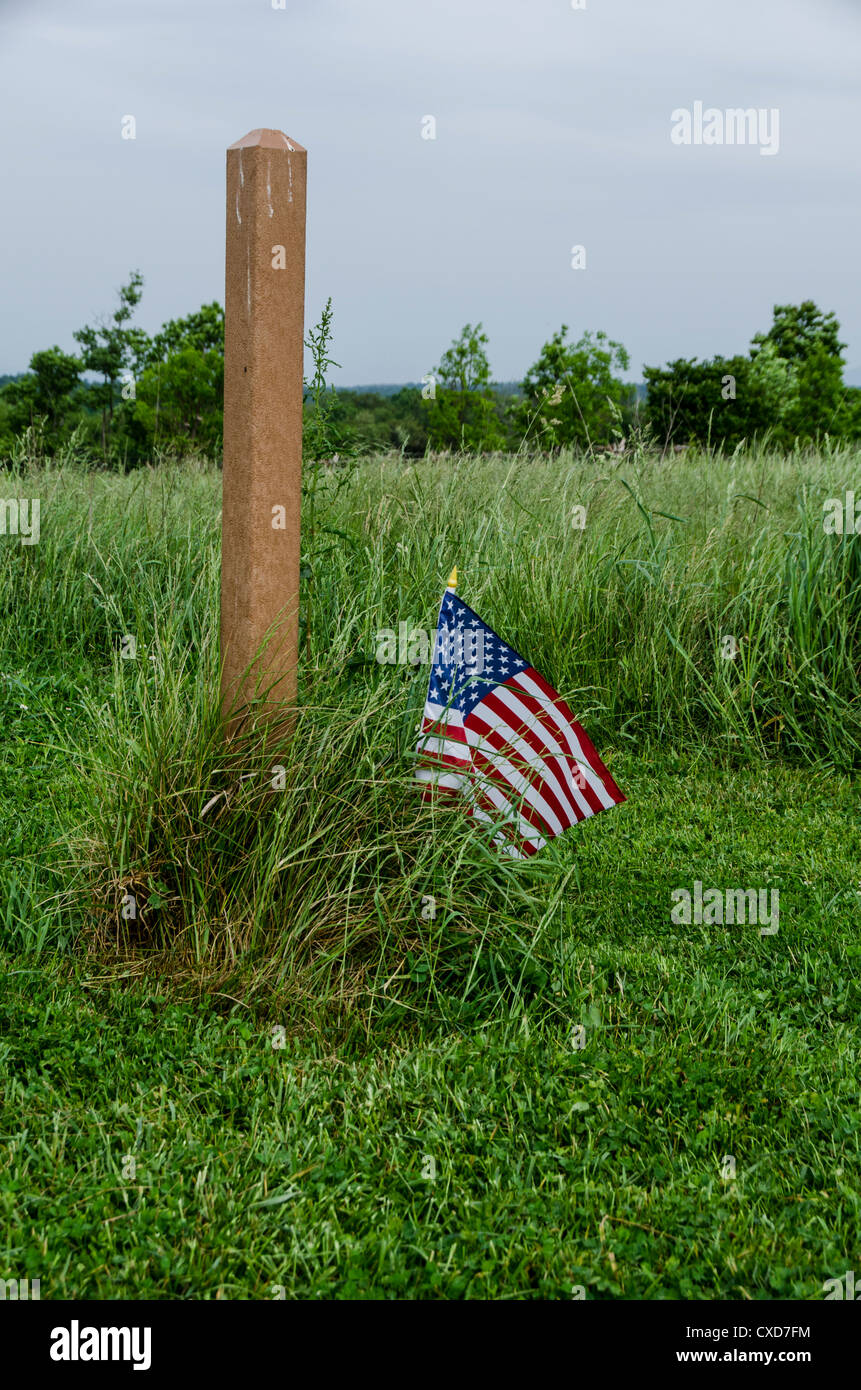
(281, 1075)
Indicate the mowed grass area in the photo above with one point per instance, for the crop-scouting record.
(434, 1125)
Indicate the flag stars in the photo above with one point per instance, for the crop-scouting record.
(458, 679)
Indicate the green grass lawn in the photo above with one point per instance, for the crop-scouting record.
(281, 1077)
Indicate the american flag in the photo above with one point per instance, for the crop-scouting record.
(497, 736)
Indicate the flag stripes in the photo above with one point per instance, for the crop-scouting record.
(500, 739)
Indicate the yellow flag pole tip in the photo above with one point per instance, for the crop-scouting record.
(452, 579)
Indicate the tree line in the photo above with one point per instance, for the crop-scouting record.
(125, 396)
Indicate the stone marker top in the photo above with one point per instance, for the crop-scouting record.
(268, 140)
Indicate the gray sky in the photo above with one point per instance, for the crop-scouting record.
(553, 129)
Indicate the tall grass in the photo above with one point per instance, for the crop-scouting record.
(179, 850)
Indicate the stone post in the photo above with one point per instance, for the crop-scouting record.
(263, 375)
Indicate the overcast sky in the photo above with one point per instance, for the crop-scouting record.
(553, 129)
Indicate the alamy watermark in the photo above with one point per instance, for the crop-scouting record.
(412, 646)
(842, 517)
(844, 1287)
(735, 126)
(19, 1288)
(19, 516)
(76, 1343)
(727, 907)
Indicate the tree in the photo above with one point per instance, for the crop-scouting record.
(850, 413)
(109, 348)
(463, 412)
(202, 330)
(464, 366)
(797, 330)
(820, 401)
(397, 421)
(692, 402)
(179, 402)
(790, 386)
(808, 342)
(57, 374)
(179, 396)
(45, 392)
(571, 395)
(773, 385)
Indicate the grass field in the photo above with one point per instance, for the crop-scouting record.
(280, 1076)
